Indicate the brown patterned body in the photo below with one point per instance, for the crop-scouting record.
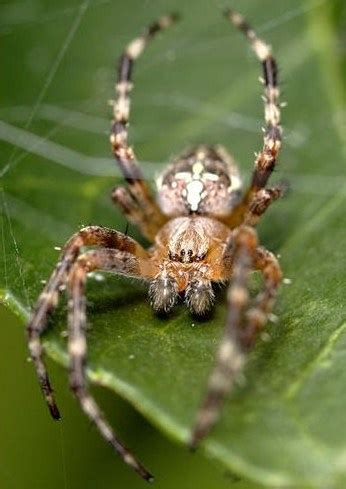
(204, 180)
(201, 230)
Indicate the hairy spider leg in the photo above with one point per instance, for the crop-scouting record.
(135, 213)
(230, 357)
(139, 205)
(266, 159)
(114, 261)
(48, 300)
(262, 201)
(242, 327)
(257, 314)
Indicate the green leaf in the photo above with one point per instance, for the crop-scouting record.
(286, 425)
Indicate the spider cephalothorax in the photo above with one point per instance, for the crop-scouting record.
(188, 252)
(202, 232)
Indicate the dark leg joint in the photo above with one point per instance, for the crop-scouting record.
(118, 127)
(162, 23)
(260, 178)
(153, 29)
(273, 132)
(125, 68)
(270, 71)
(241, 23)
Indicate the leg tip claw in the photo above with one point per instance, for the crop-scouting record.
(54, 411)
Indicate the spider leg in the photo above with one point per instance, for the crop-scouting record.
(261, 202)
(266, 159)
(257, 314)
(243, 324)
(230, 357)
(119, 132)
(111, 260)
(130, 208)
(48, 300)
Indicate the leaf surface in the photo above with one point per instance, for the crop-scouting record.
(286, 425)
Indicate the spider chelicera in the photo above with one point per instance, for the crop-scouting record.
(202, 229)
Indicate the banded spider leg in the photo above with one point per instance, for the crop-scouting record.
(116, 253)
(136, 200)
(245, 319)
(266, 159)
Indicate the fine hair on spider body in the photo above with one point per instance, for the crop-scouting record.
(201, 226)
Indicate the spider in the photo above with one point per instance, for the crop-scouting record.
(202, 229)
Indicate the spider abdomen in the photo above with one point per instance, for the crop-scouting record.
(204, 180)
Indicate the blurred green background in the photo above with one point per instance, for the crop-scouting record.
(57, 75)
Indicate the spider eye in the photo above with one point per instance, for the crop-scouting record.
(201, 257)
(190, 253)
(182, 252)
